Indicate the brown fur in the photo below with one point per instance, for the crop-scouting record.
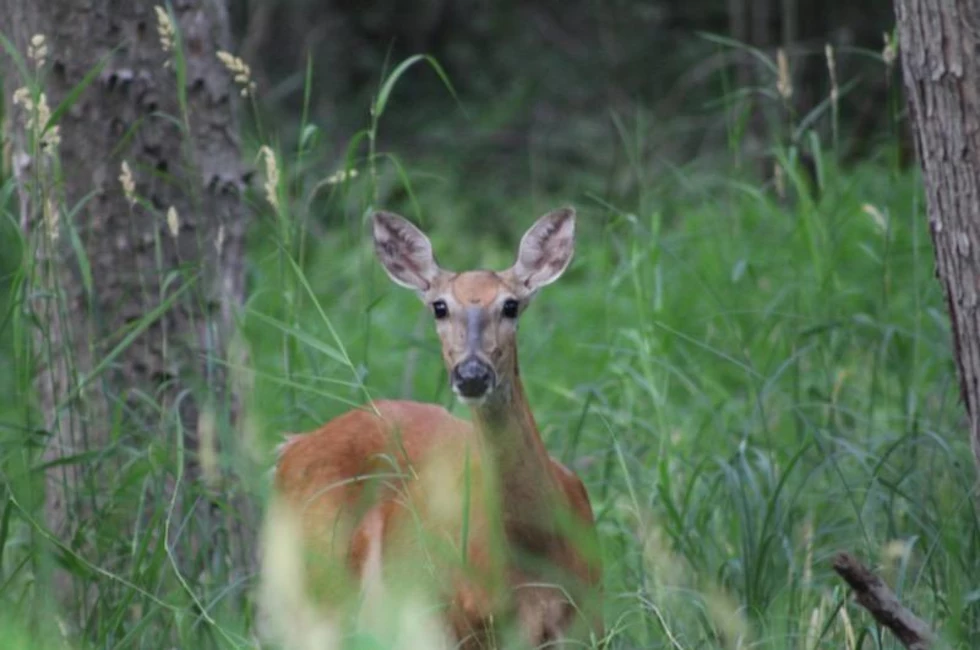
(379, 491)
(327, 473)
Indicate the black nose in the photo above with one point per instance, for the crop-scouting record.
(472, 378)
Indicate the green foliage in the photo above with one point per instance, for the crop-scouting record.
(746, 384)
(745, 390)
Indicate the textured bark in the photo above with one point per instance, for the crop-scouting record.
(131, 112)
(941, 61)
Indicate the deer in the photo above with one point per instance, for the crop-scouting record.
(372, 492)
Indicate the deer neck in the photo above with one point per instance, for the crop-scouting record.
(521, 463)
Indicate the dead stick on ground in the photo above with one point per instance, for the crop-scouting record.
(880, 601)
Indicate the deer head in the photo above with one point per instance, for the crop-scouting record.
(476, 312)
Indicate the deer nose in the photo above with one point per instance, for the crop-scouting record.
(472, 378)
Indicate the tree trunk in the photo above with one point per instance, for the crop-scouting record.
(133, 323)
(941, 61)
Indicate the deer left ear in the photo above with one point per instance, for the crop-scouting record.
(404, 251)
(546, 250)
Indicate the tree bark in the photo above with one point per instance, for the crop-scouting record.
(165, 374)
(941, 62)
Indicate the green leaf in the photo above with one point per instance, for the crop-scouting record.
(302, 337)
(74, 459)
(5, 527)
(76, 244)
(389, 84)
(14, 54)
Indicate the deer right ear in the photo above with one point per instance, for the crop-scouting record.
(546, 249)
(404, 251)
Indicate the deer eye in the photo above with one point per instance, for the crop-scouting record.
(510, 308)
(440, 309)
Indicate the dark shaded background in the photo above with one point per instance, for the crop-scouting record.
(526, 69)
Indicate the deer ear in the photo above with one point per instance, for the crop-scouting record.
(546, 249)
(404, 251)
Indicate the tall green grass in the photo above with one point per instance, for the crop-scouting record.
(746, 383)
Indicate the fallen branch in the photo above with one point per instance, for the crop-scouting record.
(880, 601)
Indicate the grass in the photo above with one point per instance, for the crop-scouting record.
(746, 384)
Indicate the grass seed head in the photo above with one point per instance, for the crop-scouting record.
(340, 176)
(828, 51)
(173, 222)
(127, 182)
(52, 220)
(890, 51)
(165, 29)
(271, 175)
(876, 215)
(779, 179)
(241, 72)
(37, 50)
(784, 84)
(36, 117)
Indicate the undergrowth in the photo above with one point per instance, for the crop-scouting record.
(749, 377)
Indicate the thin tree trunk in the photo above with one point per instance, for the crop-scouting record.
(939, 44)
(161, 305)
(738, 29)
